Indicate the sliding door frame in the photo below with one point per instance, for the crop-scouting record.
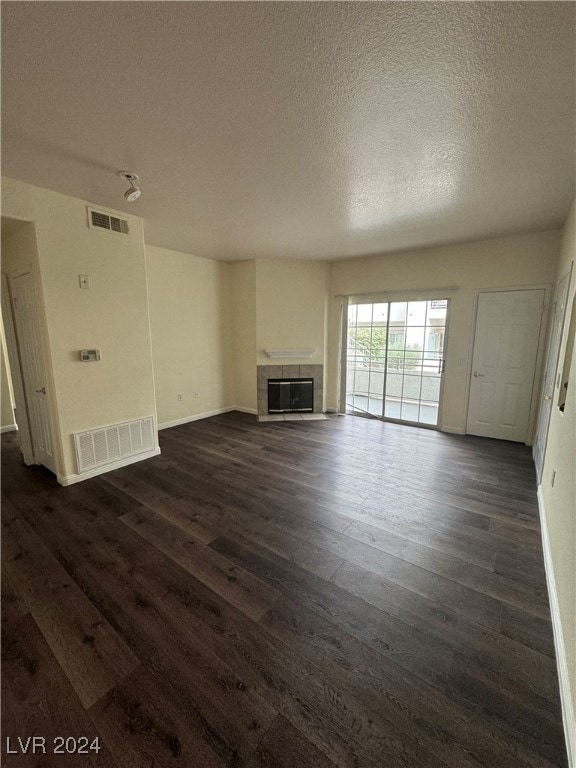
(390, 298)
(343, 354)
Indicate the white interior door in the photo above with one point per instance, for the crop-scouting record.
(32, 365)
(550, 383)
(504, 363)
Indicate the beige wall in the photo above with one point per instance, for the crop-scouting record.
(189, 319)
(7, 401)
(112, 315)
(506, 262)
(275, 304)
(242, 299)
(291, 300)
(560, 499)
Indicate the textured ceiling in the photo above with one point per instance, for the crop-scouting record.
(299, 130)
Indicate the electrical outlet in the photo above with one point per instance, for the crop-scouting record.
(195, 394)
(180, 396)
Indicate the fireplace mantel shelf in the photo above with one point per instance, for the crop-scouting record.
(290, 352)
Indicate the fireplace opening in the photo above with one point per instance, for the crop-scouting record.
(290, 395)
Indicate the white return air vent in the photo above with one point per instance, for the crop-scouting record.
(97, 447)
(103, 220)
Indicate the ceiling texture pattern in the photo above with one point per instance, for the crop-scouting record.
(298, 130)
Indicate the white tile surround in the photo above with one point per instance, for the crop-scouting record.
(309, 371)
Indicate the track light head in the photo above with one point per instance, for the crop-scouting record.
(134, 192)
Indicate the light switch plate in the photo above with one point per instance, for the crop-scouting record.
(90, 355)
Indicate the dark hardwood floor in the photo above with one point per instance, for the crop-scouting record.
(303, 594)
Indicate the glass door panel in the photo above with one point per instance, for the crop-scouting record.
(395, 359)
(365, 358)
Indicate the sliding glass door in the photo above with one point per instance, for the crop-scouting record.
(395, 359)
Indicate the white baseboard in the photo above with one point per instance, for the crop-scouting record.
(71, 479)
(568, 714)
(8, 428)
(206, 415)
(195, 417)
(453, 430)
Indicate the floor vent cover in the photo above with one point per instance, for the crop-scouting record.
(96, 447)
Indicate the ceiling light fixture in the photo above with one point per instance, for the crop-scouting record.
(134, 192)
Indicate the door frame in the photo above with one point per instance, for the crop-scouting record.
(21, 407)
(550, 368)
(22, 413)
(547, 288)
(389, 298)
(343, 356)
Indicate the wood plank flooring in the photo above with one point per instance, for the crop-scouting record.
(326, 594)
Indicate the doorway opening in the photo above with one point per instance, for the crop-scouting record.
(553, 377)
(395, 359)
(25, 341)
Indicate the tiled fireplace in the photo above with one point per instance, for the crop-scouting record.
(275, 372)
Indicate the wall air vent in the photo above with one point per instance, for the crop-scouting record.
(97, 447)
(103, 220)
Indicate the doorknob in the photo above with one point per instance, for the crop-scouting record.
(478, 374)
(41, 391)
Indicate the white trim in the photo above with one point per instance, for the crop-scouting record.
(205, 415)
(71, 479)
(568, 714)
(9, 428)
(241, 408)
(453, 430)
(413, 294)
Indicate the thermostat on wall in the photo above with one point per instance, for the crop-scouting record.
(90, 355)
